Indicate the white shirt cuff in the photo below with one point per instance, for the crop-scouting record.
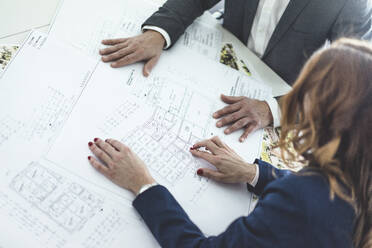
(275, 111)
(162, 32)
(146, 187)
(255, 179)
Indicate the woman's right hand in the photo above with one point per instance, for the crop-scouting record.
(231, 168)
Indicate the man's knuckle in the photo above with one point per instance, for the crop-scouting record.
(111, 164)
(235, 116)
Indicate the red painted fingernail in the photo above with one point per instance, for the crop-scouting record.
(95, 139)
(200, 172)
(90, 143)
(89, 157)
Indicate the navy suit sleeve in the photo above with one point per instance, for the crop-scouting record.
(176, 15)
(277, 217)
(267, 174)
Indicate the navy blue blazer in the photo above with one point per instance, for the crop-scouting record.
(293, 211)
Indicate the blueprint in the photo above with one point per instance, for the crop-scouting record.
(50, 195)
(45, 206)
(117, 19)
(160, 118)
(37, 96)
(49, 208)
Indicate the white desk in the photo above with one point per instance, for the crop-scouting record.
(17, 17)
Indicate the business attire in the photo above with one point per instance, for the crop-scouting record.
(284, 33)
(293, 211)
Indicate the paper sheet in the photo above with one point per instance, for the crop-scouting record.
(61, 201)
(117, 19)
(47, 206)
(37, 96)
(160, 117)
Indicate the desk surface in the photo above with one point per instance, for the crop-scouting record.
(18, 17)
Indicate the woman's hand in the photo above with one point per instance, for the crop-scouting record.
(144, 47)
(243, 112)
(230, 167)
(121, 165)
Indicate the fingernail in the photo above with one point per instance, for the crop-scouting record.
(227, 131)
(200, 172)
(192, 148)
(95, 139)
(113, 64)
(106, 140)
(219, 124)
(89, 157)
(90, 143)
(215, 115)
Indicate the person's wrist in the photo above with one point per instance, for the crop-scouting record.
(158, 36)
(144, 181)
(268, 115)
(249, 173)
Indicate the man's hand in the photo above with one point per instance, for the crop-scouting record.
(144, 47)
(243, 112)
(230, 167)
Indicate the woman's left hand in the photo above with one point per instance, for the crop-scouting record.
(122, 166)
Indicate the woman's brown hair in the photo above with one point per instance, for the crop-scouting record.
(327, 119)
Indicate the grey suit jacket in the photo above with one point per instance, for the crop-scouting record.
(303, 28)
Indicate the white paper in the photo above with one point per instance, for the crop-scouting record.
(38, 90)
(48, 207)
(122, 19)
(43, 204)
(160, 117)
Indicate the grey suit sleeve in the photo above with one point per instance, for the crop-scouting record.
(176, 15)
(354, 20)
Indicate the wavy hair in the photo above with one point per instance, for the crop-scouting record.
(327, 122)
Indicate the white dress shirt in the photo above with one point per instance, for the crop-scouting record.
(267, 18)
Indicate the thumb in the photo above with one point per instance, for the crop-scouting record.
(231, 99)
(208, 173)
(149, 65)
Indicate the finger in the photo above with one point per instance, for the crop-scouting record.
(249, 129)
(127, 60)
(217, 141)
(106, 147)
(208, 144)
(231, 99)
(212, 174)
(237, 125)
(226, 110)
(112, 49)
(230, 119)
(117, 144)
(203, 155)
(119, 54)
(98, 166)
(99, 153)
(147, 68)
(113, 41)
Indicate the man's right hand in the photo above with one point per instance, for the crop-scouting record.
(243, 112)
(144, 47)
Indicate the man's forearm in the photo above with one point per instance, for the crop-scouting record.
(176, 15)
